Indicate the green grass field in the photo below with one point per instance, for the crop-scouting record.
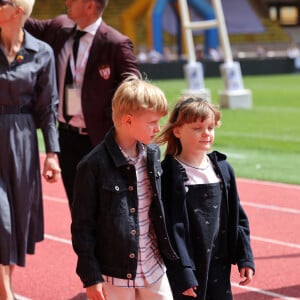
(262, 142)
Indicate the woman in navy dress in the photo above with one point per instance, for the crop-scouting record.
(28, 100)
(207, 223)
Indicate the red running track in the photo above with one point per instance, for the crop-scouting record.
(274, 214)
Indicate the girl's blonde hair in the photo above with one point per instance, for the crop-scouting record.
(135, 95)
(187, 110)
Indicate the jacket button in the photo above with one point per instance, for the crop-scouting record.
(117, 188)
(129, 276)
(130, 188)
(132, 210)
(132, 255)
(133, 232)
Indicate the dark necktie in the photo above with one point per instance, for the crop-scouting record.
(69, 75)
(77, 38)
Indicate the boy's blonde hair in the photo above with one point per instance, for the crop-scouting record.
(187, 110)
(135, 95)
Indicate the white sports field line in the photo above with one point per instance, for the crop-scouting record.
(263, 292)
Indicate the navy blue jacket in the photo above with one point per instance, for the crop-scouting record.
(105, 231)
(239, 250)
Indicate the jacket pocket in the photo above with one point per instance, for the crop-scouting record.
(113, 200)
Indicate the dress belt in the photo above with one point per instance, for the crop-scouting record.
(69, 127)
(11, 110)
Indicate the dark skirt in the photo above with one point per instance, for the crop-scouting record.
(21, 207)
(207, 220)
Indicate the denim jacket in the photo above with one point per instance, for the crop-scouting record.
(105, 226)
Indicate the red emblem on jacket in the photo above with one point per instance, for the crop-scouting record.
(104, 71)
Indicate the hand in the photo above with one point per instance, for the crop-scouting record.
(246, 273)
(51, 171)
(96, 292)
(190, 292)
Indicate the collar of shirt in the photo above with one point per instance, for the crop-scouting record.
(141, 154)
(83, 51)
(92, 28)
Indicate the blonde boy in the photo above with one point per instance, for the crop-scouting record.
(118, 224)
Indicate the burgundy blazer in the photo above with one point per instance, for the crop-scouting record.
(111, 59)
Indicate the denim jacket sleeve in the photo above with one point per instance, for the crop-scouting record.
(84, 224)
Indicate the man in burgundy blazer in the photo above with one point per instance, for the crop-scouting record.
(106, 61)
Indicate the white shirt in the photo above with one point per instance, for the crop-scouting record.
(198, 175)
(150, 267)
(78, 70)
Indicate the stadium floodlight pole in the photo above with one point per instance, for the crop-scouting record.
(234, 95)
(193, 70)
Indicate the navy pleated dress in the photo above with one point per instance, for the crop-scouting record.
(28, 100)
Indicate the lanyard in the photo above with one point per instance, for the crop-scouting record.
(78, 68)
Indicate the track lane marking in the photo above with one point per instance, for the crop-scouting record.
(263, 292)
(55, 199)
(19, 297)
(57, 239)
(255, 238)
(275, 242)
(271, 207)
(246, 203)
(268, 183)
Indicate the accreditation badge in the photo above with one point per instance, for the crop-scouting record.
(73, 101)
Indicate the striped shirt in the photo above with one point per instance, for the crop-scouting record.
(150, 267)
